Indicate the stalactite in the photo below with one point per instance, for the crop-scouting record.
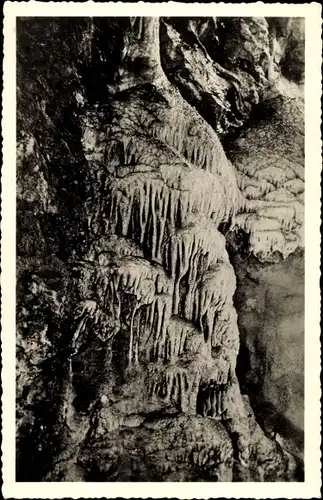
(194, 248)
(182, 337)
(225, 331)
(164, 306)
(216, 287)
(131, 342)
(213, 401)
(180, 191)
(275, 225)
(191, 139)
(179, 385)
(141, 278)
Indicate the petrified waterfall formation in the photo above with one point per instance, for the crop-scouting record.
(142, 335)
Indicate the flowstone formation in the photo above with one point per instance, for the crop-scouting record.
(127, 325)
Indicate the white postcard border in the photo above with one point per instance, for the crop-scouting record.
(311, 486)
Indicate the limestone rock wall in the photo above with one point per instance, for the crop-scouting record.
(270, 301)
(127, 332)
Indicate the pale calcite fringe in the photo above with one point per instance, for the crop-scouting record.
(169, 187)
(199, 200)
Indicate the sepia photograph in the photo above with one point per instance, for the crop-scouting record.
(160, 249)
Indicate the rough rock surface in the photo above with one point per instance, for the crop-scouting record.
(127, 327)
